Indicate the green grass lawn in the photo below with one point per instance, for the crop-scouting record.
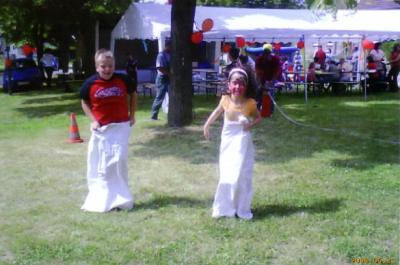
(321, 197)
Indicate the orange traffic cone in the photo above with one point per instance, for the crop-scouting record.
(74, 130)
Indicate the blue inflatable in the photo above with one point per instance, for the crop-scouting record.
(283, 50)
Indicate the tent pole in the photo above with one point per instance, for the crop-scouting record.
(305, 71)
(365, 76)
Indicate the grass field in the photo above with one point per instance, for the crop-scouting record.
(321, 197)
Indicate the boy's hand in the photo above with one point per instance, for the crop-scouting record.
(94, 125)
(132, 121)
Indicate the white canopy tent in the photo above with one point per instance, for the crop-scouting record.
(152, 21)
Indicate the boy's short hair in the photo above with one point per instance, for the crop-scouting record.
(102, 54)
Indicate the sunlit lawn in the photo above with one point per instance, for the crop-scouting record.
(321, 197)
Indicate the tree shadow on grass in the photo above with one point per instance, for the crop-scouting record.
(323, 206)
(50, 110)
(52, 102)
(161, 201)
(185, 143)
(52, 98)
(40, 104)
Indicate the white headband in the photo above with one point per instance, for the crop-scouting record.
(238, 70)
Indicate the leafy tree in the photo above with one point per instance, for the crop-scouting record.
(57, 21)
(330, 5)
(254, 3)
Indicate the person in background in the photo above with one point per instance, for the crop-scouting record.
(316, 64)
(268, 70)
(346, 70)
(234, 58)
(371, 66)
(49, 64)
(332, 68)
(378, 56)
(311, 76)
(297, 57)
(354, 60)
(298, 69)
(162, 79)
(131, 68)
(394, 68)
(320, 57)
(109, 100)
(246, 65)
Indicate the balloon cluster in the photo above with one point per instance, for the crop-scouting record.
(207, 25)
(240, 43)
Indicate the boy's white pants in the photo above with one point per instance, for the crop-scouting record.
(107, 169)
(234, 191)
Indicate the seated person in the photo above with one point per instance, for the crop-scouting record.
(346, 71)
(372, 68)
(317, 65)
(333, 70)
(378, 56)
(374, 76)
(311, 77)
(298, 68)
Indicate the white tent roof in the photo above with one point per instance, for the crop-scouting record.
(152, 21)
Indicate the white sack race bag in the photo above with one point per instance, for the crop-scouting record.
(107, 172)
(236, 160)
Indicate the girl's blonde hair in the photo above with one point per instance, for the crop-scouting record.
(103, 54)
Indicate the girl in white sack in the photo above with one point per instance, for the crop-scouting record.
(236, 159)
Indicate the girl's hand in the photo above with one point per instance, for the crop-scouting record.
(256, 121)
(206, 132)
(247, 126)
(94, 125)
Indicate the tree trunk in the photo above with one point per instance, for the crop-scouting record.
(38, 40)
(180, 93)
(86, 49)
(64, 51)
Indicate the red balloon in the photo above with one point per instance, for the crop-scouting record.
(197, 37)
(367, 44)
(27, 49)
(207, 24)
(226, 48)
(300, 44)
(240, 42)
